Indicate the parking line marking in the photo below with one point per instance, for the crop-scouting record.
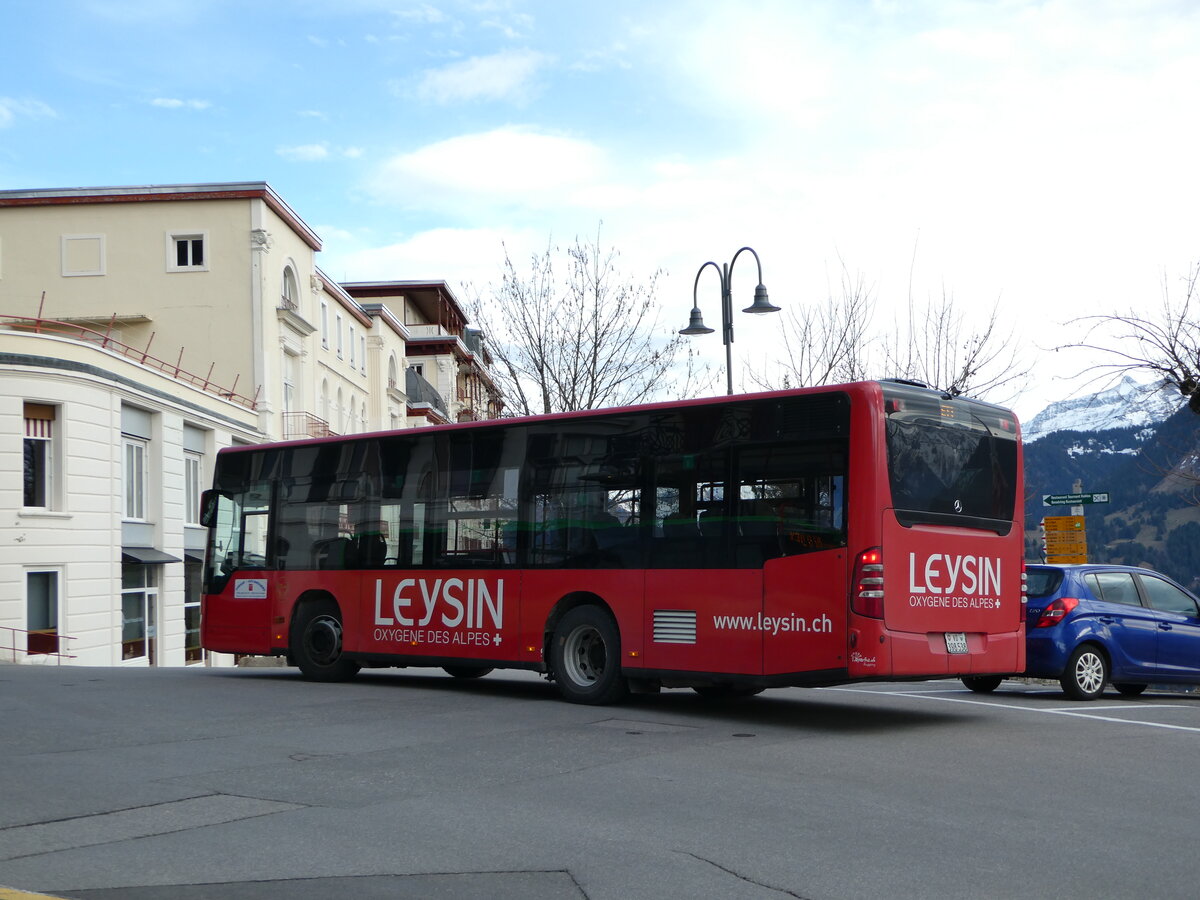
(1079, 714)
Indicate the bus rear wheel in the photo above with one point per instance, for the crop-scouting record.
(316, 643)
(585, 657)
(466, 671)
(982, 684)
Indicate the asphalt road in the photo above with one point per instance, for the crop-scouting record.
(234, 784)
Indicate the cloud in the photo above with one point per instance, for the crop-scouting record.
(504, 165)
(11, 109)
(317, 152)
(502, 76)
(175, 103)
(304, 153)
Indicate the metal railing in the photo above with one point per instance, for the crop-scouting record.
(304, 425)
(106, 341)
(41, 646)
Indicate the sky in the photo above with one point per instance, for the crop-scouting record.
(1035, 156)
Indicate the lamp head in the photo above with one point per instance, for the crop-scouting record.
(761, 304)
(696, 325)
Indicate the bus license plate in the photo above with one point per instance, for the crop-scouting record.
(956, 642)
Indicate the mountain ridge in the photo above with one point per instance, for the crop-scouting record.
(1142, 447)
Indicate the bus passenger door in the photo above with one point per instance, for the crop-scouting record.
(804, 613)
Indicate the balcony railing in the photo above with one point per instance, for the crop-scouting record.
(297, 425)
(18, 645)
(105, 341)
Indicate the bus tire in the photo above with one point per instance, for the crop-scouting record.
(466, 671)
(982, 684)
(1085, 674)
(316, 643)
(585, 657)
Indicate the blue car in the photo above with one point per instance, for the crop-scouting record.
(1089, 625)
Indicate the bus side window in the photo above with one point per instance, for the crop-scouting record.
(790, 501)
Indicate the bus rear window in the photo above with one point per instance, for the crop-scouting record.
(950, 461)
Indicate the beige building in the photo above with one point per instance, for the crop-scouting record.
(141, 330)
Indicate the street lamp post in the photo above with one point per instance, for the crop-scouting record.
(760, 305)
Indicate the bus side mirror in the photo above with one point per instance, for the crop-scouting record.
(208, 507)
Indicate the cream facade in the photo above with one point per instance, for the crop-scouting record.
(141, 330)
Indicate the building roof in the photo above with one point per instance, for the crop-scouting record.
(149, 193)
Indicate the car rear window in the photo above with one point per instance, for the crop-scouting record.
(1042, 582)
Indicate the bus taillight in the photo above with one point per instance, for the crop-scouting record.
(866, 595)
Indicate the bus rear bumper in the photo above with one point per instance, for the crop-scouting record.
(905, 654)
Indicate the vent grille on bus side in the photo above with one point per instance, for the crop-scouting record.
(825, 415)
(674, 626)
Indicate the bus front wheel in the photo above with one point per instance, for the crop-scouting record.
(317, 643)
(585, 657)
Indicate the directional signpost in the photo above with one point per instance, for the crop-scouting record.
(1073, 499)
(1064, 538)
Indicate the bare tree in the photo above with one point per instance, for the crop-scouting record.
(933, 343)
(1164, 343)
(588, 341)
(936, 346)
(825, 344)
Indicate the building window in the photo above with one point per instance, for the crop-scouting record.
(192, 651)
(187, 252)
(353, 362)
(289, 299)
(289, 382)
(82, 254)
(193, 466)
(325, 324)
(41, 603)
(135, 478)
(39, 455)
(362, 354)
(337, 329)
(139, 612)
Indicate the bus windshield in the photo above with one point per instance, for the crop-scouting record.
(950, 461)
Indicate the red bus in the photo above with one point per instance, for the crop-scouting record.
(868, 531)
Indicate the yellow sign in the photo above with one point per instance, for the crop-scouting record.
(1063, 523)
(1052, 538)
(1067, 560)
(1066, 550)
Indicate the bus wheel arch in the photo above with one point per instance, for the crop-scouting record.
(583, 651)
(315, 638)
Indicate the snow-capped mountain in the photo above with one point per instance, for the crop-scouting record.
(1141, 447)
(1125, 405)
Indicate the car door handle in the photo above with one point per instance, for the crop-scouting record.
(1164, 626)
(1107, 620)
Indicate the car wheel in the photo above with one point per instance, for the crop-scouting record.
(982, 684)
(466, 671)
(585, 657)
(1086, 673)
(316, 643)
(1129, 690)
